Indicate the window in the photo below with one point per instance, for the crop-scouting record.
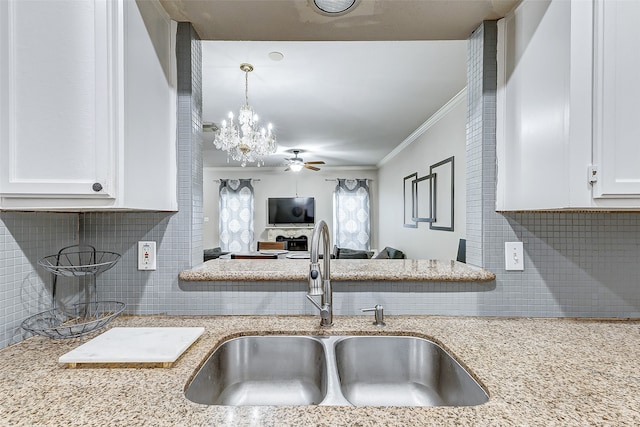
(236, 215)
(351, 214)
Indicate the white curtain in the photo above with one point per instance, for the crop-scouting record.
(236, 215)
(351, 214)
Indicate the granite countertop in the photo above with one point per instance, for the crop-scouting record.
(341, 270)
(540, 372)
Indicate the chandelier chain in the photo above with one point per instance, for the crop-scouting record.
(246, 87)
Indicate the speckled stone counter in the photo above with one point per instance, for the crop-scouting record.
(341, 270)
(538, 372)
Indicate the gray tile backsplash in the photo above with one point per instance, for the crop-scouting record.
(576, 264)
(25, 289)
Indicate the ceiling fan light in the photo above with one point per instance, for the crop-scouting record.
(334, 7)
(296, 167)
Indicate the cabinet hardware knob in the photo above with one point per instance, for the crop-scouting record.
(97, 187)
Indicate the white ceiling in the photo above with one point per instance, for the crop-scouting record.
(345, 103)
(348, 103)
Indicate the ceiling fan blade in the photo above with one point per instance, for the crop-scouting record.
(313, 168)
(287, 169)
(209, 127)
(314, 163)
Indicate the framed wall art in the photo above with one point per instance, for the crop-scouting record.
(408, 200)
(423, 205)
(443, 195)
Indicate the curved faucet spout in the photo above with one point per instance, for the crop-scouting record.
(320, 280)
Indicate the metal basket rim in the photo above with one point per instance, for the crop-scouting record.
(44, 261)
(92, 325)
(51, 263)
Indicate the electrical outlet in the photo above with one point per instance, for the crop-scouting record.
(513, 256)
(146, 255)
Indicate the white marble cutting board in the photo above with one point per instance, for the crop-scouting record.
(160, 346)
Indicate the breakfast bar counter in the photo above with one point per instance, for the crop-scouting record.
(538, 372)
(341, 270)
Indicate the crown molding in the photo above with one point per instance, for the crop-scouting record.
(431, 121)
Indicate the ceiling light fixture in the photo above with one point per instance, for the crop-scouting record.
(334, 7)
(276, 56)
(296, 166)
(244, 142)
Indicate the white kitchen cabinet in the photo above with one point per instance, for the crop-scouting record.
(566, 137)
(87, 96)
(616, 137)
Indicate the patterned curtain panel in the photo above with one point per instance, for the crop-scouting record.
(236, 215)
(351, 214)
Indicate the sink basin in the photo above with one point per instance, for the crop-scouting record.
(403, 371)
(333, 370)
(262, 370)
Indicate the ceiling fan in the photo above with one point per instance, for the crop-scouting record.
(297, 163)
(209, 127)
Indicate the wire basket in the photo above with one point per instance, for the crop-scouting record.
(75, 321)
(80, 262)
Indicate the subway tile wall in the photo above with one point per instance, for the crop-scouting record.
(348, 298)
(475, 132)
(190, 129)
(25, 288)
(576, 264)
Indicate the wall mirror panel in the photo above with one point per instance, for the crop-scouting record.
(443, 195)
(408, 197)
(423, 199)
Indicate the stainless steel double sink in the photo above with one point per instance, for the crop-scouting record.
(333, 370)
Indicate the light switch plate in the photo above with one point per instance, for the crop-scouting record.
(513, 256)
(146, 255)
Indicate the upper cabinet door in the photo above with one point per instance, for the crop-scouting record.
(616, 149)
(543, 134)
(59, 88)
(568, 133)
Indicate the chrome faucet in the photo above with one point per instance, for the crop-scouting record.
(320, 281)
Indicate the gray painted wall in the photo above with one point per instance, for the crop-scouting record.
(445, 138)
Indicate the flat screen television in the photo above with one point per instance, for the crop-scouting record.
(291, 210)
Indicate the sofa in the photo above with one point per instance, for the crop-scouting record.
(390, 253)
(213, 253)
(386, 253)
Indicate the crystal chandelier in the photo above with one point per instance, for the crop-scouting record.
(244, 142)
